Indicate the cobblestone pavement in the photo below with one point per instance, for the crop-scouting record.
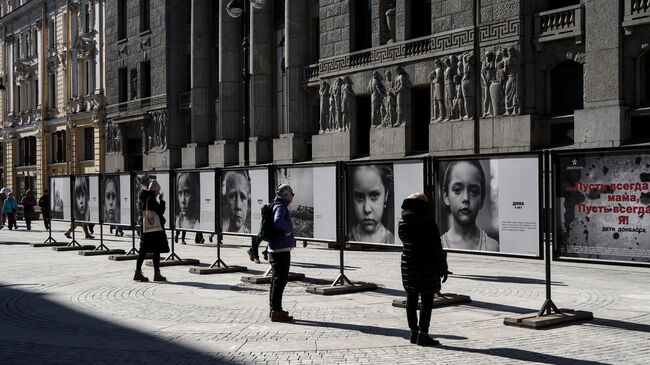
(60, 308)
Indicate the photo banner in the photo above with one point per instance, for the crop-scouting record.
(208, 208)
(187, 200)
(602, 205)
(243, 193)
(93, 201)
(125, 200)
(489, 204)
(313, 210)
(374, 196)
(60, 198)
(141, 182)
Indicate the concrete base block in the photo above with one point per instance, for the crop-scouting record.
(506, 133)
(102, 252)
(217, 270)
(331, 146)
(341, 289)
(176, 262)
(74, 248)
(531, 320)
(260, 279)
(289, 148)
(128, 257)
(389, 142)
(260, 150)
(194, 155)
(440, 300)
(41, 244)
(223, 153)
(451, 138)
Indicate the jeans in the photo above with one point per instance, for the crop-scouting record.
(255, 246)
(11, 218)
(83, 226)
(141, 257)
(280, 263)
(28, 218)
(425, 310)
(47, 218)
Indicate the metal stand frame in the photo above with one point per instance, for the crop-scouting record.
(172, 255)
(50, 239)
(102, 246)
(341, 279)
(133, 251)
(219, 262)
(74, 242)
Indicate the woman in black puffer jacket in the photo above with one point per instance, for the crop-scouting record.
(151, 242)
(423, 264)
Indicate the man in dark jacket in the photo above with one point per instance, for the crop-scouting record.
(151, 242)
(44, 203)
(279, 248)
(423, 264)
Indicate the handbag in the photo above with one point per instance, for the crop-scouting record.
(150, 220)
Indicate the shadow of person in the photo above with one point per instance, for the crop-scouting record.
(370, 330)
(506, 279)
(37, 330)
(209, 286)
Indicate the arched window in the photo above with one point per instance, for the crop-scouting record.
(566, 89)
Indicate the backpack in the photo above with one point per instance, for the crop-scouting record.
(266, 226)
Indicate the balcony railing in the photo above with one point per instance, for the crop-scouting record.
(154, 102)
(185, 100)
(559, 23)
(637, 12)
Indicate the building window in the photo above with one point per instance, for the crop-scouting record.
(420, 18)
(51, 36)
(361, 24)
(644, 79)
(145, 82)
(52, 96)
(27, 151)
(145, 15)
(89, 143)
(58, 147)
(87, 18)
(121, 19)
(122, 85)
(188, 72)
(188, 12)
(134, 84)
(566, 88)
(2, 154)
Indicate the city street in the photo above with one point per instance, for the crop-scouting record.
(63, 308)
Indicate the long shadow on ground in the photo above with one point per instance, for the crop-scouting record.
(371, 330)
(37, 330)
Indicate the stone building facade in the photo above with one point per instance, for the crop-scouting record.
(52, 108)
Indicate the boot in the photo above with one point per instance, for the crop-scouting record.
(425, 340)
(280, 316)
(414, 336)
(251, 256)
(158, 277)
(140, 277)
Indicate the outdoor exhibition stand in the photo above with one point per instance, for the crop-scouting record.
(439, 299)
(132, 254)
(173, 259)
(218, 266)
(267, 276)
(102, 249)
(73, 245)
(49, 241)
(342, 284)
(549, 315)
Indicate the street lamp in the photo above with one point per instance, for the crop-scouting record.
(237, 8)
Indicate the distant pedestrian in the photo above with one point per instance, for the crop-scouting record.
(424, 263)
(10, 209)
(151, 242)
(84, 226)
(46, 211)
(280, 245)
(28, 202)
(3, 197)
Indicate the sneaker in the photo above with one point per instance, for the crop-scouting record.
(425, 340)
(90, 237)
(251, 256)
(210, 238)
(280, 316)
(65, 234)
(414, 337)
(265, 253)
(158, 277)
(256, 260)
(304, 243)
(140, 277)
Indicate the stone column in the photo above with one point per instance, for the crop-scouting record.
(42, 66)
(401, 21)
(290, 147)
(196, 152)
(262, 51)
(228, 120)
(10, 75)
(98, 76)
(602, 122)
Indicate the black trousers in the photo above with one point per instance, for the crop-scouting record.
(425, 310)
(141, 257)
(255, 246)
(280, 263)
(47, 217)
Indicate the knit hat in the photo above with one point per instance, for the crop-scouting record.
(283, 191)
(419, 196)
(154, 186)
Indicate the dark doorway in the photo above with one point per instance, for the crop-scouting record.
(363, 125)
(420, 115)
(566, 89)
(133, 151)
(420, 14)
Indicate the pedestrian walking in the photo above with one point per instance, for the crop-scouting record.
(10, 209)
(28, 202)
(46, 211)
(424, 263)
(74, 225)
(279, 248)
(153, 238)
(182, 235)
